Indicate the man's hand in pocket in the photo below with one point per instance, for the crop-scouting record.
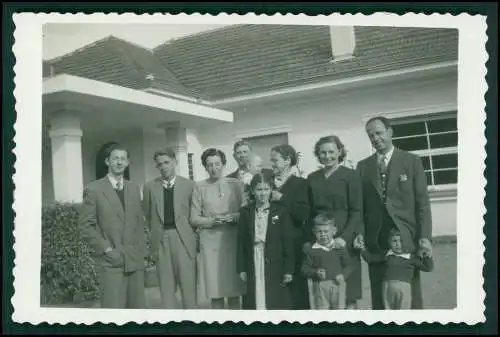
(114, 257)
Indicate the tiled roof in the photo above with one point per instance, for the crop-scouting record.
(250, 58)
(119, 62)
(245, 59)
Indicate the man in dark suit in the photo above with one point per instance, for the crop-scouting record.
(394, 196)
(112, 222)
(167, 205)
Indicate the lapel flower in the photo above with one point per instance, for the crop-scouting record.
(403, 177)
(275, 219)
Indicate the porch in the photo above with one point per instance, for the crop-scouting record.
(83, 116)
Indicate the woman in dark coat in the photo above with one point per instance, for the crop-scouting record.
(265, 256)
(292, 193)
(337, 188)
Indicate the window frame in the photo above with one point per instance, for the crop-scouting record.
(441, 192)
(430, 151)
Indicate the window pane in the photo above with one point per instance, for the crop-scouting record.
(408, 129)
(426, 162)
(446, 140)
(445, 161)
(445, 177)
(411, 144)
(429, 178)
(440, 125)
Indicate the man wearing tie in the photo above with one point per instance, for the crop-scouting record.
(394, 196)
(112, 222)
(167, 205)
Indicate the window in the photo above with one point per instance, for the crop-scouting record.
(262, 145)
(434, 138)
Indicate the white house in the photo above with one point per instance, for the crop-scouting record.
(269, 84)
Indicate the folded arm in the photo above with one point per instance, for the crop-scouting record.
(198, 219)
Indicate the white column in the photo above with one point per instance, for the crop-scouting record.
(66, 140)
(176, 139)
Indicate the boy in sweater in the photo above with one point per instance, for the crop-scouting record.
(327, 265)
(400, 266)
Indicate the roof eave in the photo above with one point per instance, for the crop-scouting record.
(350, 82)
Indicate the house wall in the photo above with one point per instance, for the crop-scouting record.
(305, 119)
(343, 114)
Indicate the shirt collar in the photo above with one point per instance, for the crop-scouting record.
(388, 155)
(263, 209)
(170, 182)
(114, 181)
(403, 255)
(327, 248)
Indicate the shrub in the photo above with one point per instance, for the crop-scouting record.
(67, 270)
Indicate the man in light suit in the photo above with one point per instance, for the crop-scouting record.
(112, 222)
(167, 205)
(394, 196)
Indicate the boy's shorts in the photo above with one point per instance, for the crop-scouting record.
(326, 294)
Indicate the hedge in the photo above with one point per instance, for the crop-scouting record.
(67, 270)
(68, 273)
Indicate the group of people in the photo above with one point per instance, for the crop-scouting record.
(266, 238)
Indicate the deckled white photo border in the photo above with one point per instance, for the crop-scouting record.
(471, 182)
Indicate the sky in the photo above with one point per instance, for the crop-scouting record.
(62, 38)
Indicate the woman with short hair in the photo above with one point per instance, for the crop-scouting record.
(215, 212)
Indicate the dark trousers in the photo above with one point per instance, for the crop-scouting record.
(122, 290)
(377, 272)
(298, 287)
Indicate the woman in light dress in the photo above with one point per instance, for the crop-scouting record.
(215, 212)
(265, 250)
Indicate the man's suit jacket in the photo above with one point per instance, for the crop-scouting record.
(154, 210)
(407, 200)
(104, 223)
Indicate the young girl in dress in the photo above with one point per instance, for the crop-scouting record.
(265, 258)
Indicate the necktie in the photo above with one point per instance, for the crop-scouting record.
(383, 175)
(167, 184)
(119, 185)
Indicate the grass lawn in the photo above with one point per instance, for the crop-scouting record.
(439, 287)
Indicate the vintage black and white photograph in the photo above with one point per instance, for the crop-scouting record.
(215, 170)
